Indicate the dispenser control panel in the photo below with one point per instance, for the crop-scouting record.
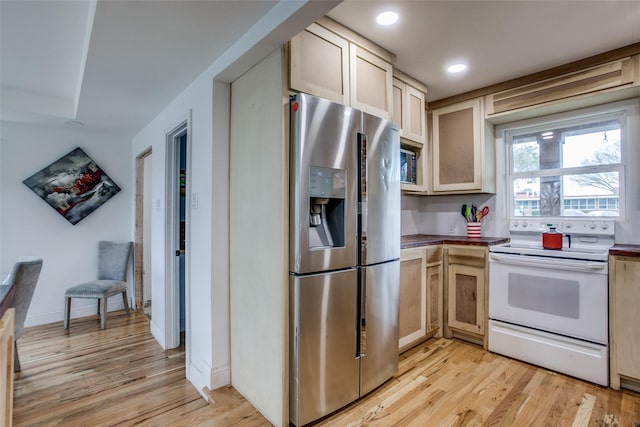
(327, 182)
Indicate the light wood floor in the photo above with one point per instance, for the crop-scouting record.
(120, 376)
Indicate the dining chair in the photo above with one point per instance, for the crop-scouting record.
(24, 276)
(113, 264)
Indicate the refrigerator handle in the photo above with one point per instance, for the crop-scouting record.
(361, 188)
(362, 316)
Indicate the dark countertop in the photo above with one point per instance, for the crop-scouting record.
(625, 250)
(417, 240)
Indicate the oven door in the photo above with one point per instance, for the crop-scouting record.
(563, 296)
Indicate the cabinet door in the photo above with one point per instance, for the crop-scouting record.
(458, 147)
(408, 112)
(434, 299)
(627, 318)
(466, 298)
(398, 110)
(415, 122)
(319, 64)
(412, 318)
(371, 82)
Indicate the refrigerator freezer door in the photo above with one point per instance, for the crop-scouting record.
(323, 149)
(380, 289)
(380, 220)
(324, 367)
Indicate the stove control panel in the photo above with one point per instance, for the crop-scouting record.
(595, 226)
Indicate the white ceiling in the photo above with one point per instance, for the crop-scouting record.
(114, 64)
(499, 40)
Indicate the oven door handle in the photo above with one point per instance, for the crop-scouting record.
(546, 263)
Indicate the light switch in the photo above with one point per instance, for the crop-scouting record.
(194, 200)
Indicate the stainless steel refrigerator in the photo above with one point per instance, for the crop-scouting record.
(344, 255)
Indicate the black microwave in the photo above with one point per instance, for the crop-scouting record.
(408, 167)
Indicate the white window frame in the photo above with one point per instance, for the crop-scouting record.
(618, 110)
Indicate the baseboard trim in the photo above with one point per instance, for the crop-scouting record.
(85, 310)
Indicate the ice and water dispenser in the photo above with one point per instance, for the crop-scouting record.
(326, 207)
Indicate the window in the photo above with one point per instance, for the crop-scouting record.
(571, 167)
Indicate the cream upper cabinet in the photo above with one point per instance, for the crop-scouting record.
(319, 64)
(409, 102)
(463, 149)
(333, 62)
(371, 82)
(624, 300)
(409, 110)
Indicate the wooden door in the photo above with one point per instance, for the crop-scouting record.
(319, 64)
(413, 279)
(466, 298)
(434, 299)
(626, 334)
(458, 147)
(371, 82)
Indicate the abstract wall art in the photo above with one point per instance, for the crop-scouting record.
(74, 185)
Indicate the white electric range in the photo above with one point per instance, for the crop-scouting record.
(549, 307)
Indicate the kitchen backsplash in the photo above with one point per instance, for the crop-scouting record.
(441, 215)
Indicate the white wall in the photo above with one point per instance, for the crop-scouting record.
(207, 100)
(259, 245)
(195, 102)
(29, 226)
(441, 214)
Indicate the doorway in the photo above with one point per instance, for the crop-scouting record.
(177, 231)
(142, 252)
(182, 148)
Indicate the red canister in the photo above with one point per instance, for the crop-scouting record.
(552, 239)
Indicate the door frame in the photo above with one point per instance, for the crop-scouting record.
(172, 236)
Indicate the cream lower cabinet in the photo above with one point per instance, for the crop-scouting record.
(624, 323)
(420, 314)
(466, 293)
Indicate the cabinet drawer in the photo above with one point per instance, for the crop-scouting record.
(467, 256)
(434, 254)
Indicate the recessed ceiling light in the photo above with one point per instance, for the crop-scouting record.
(387, 18)
(456, 68)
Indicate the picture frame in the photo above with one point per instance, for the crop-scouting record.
(74, 185)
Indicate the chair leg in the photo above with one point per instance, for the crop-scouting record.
(67, 312)
(126, 302)
(16, 359)
(98, 306)
(103, 318)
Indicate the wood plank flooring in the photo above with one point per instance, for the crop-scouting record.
(121, 377)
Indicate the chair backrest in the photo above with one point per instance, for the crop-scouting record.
(24, 276)
(113, 260)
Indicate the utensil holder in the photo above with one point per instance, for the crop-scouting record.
(474, 229)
